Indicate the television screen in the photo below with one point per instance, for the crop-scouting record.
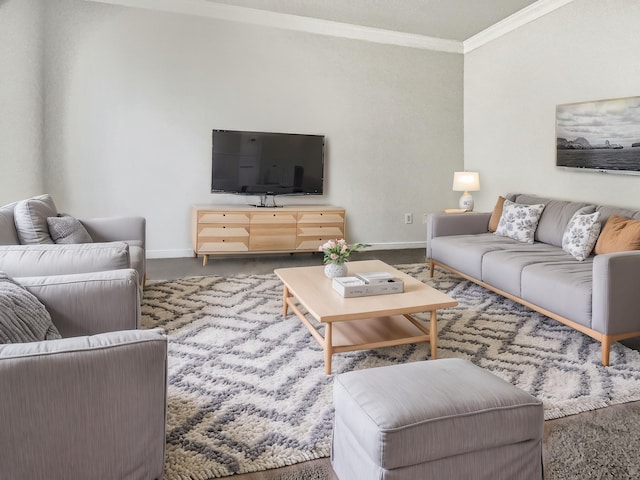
(261, 163)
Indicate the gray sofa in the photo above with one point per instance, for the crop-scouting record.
(597, 296)
(92, 404)
(115, 242)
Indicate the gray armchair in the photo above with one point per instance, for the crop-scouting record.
(28, 249)
(92, 404)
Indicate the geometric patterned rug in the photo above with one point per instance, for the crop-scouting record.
(247, 390)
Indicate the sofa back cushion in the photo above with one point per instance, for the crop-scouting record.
(606, 211)
(8, 234)
(555, 217)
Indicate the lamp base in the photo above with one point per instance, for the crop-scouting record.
(466, 201)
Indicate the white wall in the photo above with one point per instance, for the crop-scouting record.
(587, 50)
(20, 99)
(132, 96)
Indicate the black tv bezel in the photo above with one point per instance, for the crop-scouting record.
(264, 194)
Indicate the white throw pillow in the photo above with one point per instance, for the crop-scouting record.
(519, 221)
(581, 234)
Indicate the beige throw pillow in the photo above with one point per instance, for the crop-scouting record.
(495, 216)
(620, 234)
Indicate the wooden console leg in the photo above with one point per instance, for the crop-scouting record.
(606, 350)
(205, 260)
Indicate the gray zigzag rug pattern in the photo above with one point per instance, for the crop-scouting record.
(247, 390)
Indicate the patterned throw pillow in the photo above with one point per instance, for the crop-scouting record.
(519, 221)
(581, 234)
(67, 229)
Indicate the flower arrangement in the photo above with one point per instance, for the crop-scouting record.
(337, 251)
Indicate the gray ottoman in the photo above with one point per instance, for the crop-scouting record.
(442, 419)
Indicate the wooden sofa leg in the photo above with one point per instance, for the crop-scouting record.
(606, 349)
(432, 267)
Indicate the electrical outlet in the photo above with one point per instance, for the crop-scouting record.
(425, 218)
(408, 218)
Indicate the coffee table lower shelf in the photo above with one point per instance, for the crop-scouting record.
(368, 333)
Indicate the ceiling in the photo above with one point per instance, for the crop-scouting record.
(444, 19)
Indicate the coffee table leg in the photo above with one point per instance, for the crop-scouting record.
(433, 335)
(285, 295)
(328, 348)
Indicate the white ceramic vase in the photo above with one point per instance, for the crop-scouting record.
(333, 270)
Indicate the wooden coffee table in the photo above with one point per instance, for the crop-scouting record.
(361, 323)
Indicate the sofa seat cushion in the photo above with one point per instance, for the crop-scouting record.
(564, 288)
(503, 268)
(464, 252)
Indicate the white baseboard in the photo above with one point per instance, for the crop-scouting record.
(182, 253)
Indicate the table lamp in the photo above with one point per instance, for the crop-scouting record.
(466, 182)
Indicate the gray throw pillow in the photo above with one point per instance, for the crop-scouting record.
(23, 318)
(30, 217)
(67, 229)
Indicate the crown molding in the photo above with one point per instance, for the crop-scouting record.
(210, 9)
(205, 8)
(528, 14)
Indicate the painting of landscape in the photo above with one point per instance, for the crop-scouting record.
(602, 135)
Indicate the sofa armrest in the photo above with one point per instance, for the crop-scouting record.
(84, 407)
(89, 303)
(616, 277)
(54, 259)
(445, 224)
(114, 229)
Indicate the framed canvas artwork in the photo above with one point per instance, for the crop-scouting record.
(601, 135)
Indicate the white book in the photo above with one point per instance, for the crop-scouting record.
(372, 278)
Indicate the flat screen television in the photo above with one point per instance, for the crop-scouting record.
(263, 163)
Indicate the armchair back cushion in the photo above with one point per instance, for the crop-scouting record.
(38, 260)
(8, 233)
(30, 217)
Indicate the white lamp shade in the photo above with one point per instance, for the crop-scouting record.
(466, 181)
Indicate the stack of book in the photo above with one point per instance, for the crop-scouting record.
(369, 283)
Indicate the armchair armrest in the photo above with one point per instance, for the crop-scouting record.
(84, 407)
(35, 260)
(616, 277)
(89, 303)
(114, 229)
